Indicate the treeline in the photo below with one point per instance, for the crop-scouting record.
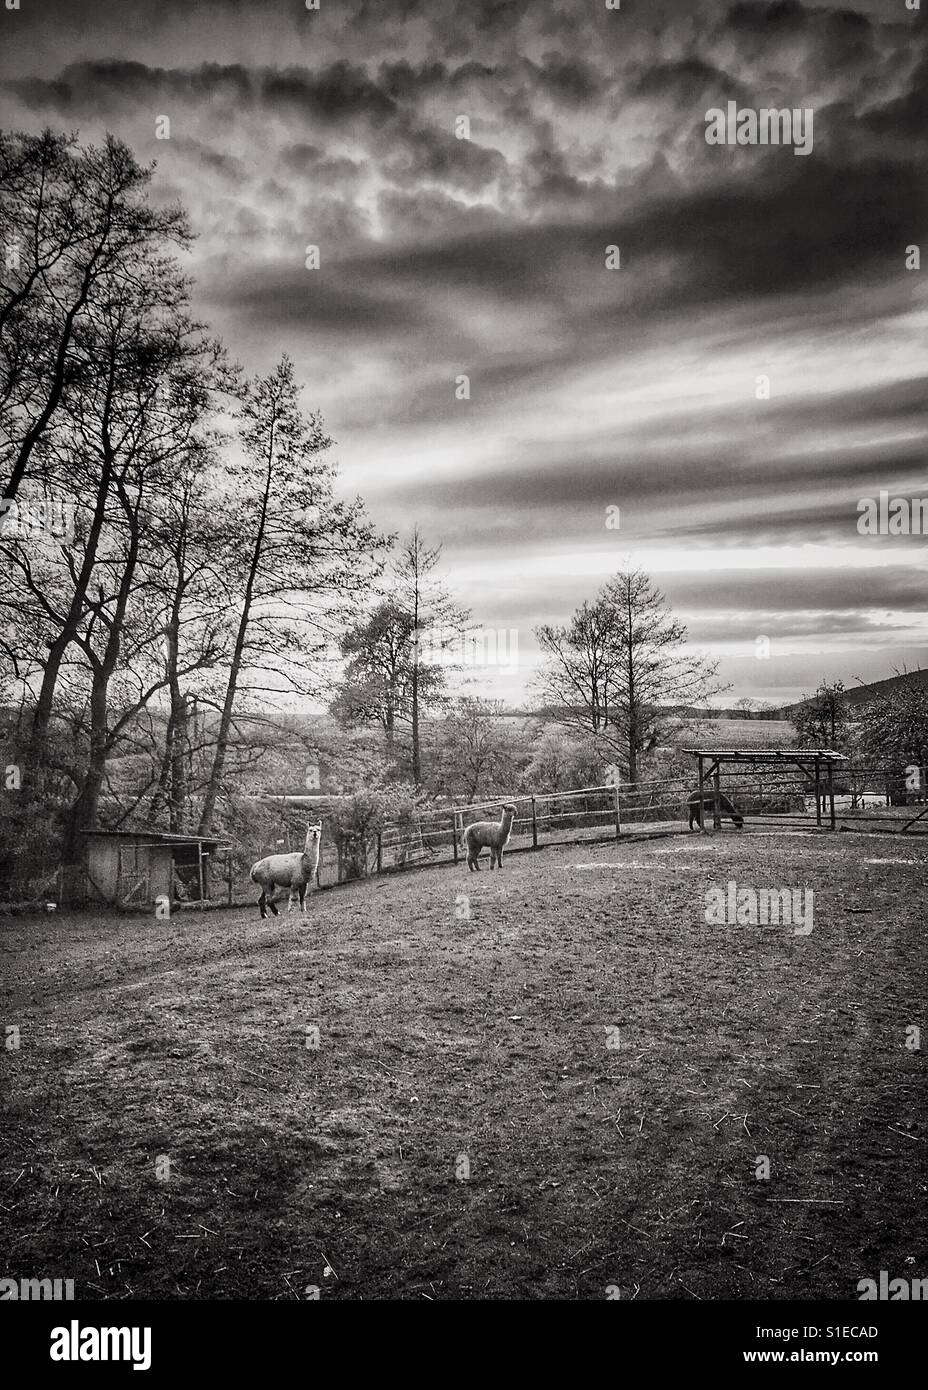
(174, 554)
(887, 735)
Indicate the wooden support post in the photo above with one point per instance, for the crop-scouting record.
(818, 790)
(534, 826)
(717, 801)
(380, 851)
(831, 791)
(618, 815)
(454, 835)
(229, 878)
(200, 874)
(702, 787)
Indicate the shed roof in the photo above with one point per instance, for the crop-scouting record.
(159, 837)
(766, 755)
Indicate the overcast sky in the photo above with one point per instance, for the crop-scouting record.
(590, 388)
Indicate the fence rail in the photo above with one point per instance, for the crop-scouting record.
(766, 797)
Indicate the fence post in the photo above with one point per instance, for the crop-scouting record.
(454, 834)
(379, 851)
(618, 814)
(534, 826)
(229, 877)
(818, 791)
(701, 789)
(717, 802)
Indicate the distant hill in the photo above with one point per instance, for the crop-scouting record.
(858, 695)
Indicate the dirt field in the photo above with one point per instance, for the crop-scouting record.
(571, 1090)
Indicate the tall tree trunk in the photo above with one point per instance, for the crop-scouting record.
(225, 719)
(41, 720)
(228, 704)
(178, 802)
(632, 751)
(633, 711)
(416, 755)
(172, 779)
(84, 812)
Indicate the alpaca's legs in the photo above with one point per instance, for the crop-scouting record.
(272, 901)
(262, 902)
(302, 892)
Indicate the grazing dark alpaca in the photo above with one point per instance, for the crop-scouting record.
(708, 804)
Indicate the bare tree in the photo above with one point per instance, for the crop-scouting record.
(433, 613)
(822, 720)
(376, 686)
(71, 218)
(475, 756)
(621, 667)
(581, 679)
(300, 555)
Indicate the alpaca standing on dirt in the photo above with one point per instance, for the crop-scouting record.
(291, 871)
(488, 832)
(708, 804)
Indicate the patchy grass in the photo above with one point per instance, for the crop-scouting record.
(483, 1042)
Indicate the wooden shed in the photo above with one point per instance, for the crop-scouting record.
(134, 867)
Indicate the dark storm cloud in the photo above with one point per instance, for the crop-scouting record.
(696, 484)
(806, 231)
(685, 80)
(337, 304)
(899, 587)
(332, 94)
(572, 81)
(907, 116)
(772, 21)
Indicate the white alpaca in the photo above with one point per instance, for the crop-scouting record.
(290, 871)
(488, 832)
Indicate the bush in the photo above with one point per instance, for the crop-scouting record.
(356, 821)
